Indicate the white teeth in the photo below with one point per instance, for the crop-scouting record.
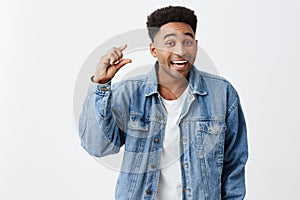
(180, 62)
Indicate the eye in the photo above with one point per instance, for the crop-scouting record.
(170, 43)
(188, 42)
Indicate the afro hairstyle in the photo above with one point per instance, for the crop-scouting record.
(168, 14)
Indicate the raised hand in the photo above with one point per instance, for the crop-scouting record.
(109, 64)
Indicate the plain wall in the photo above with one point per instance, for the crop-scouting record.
(254, 44)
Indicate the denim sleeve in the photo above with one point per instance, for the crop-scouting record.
(99, 134)
(235, 154)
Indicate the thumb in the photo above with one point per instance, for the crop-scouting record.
(122, 62)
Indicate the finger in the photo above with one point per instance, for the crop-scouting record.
(118, 53)
(105, 60)
(121, 48)
(113, 59)
(115, 56)
(122, 62)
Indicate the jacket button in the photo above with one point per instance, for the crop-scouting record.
(153, 165)
(187, 190)
(149, 191)
(104, 89)
(185, 164)
(156, 140)
(184, 140)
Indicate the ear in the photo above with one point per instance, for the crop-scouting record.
(153, 50)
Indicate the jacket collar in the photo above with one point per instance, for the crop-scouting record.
(196, 82)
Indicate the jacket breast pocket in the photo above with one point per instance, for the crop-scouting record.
(210, 138)
(137, 133)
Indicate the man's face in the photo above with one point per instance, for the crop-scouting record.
(175, 48)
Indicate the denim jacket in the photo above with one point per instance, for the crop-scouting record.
(213, 139)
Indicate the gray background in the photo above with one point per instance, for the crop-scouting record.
(255, 44)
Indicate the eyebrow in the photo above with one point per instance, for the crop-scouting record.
(173, 34)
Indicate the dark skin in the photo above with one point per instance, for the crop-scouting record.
(174, 47)
(110, 64)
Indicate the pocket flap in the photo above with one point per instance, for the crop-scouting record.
(212, 127)
(138, 123)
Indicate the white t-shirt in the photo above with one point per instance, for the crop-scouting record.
(170, 182)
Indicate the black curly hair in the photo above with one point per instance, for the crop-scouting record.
(168, 14)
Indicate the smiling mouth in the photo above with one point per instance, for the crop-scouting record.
(179, 63)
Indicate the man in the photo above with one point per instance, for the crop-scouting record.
(184, 131)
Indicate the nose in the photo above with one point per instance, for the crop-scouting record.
(180, 50)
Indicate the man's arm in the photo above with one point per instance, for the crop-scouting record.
(98, 129)
(235, 154)
(99, 134)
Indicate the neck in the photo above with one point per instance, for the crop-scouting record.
(171, 88)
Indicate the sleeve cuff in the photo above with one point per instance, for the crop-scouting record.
(100, 89)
